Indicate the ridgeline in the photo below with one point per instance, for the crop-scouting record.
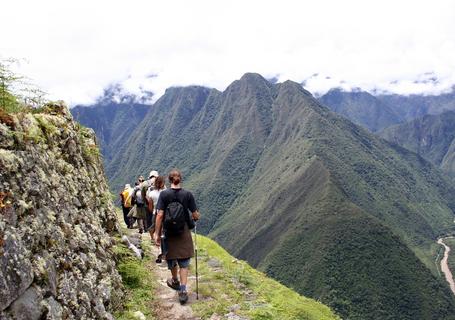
(304, 195)
(61, 254)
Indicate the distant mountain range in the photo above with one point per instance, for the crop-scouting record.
(431, 136)
(112, 122)
(377, 112)
(317, 202)
(362, 108)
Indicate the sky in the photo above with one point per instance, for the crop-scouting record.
(75, 49)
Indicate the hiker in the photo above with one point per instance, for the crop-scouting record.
(132, 212)
(154, 195)
(178, 241)
(139, 200)
(125, 197)
(152, 176)
(150, 204)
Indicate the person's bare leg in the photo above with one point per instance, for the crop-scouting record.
(183, 276)
(174, 282)
(183, 294)
(174, 272)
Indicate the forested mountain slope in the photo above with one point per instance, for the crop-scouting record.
(112, 122)
(377, 112)
(316, 201)
(417, 105)
(431, 136)
(361, 108)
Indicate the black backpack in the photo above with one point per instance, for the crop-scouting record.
(175, 217)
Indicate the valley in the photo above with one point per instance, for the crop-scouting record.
(303, 194)
(445, 264)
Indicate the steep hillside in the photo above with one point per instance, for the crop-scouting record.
(227, 289)
(219, 136)
(112, 122)
(415, 105)
(312, 199)
(361, 108)
(230, 282)
(431, 136)
(377, 112)
(56, 220)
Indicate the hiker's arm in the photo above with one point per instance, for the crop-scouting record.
(193, 208)
(196, 215)
(158, 224)
(151, 205)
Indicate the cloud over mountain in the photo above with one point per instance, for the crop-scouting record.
(75, 49)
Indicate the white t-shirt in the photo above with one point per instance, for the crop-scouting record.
(154, 195)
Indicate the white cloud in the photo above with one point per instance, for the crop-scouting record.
(76, 48)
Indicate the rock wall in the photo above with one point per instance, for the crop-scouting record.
(56, 220)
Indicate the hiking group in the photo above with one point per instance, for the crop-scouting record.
(168, 214)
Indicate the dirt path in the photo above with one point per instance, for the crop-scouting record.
(167, 304)
(445, 265)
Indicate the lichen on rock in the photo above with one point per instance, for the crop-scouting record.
(56, 220)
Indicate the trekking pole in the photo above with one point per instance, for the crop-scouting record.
(195, 253)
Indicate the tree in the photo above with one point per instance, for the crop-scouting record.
(16, 91)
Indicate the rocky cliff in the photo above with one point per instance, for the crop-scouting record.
(56, 218)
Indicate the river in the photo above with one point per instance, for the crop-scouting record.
(445, 264)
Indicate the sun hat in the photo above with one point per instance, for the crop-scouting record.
(153, 173)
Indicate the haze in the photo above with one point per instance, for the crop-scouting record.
(75, 49)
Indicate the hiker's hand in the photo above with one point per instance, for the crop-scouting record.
(196, 215)
(157, 239)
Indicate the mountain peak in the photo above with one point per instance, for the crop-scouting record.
(248, 84)
(253, 79)
(182, 90)
(251, 76)
(296, 86)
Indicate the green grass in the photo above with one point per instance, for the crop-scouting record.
(137, 276)
(139, 283)
(231, 283)
(234, 282)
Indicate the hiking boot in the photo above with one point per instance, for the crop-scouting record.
(174, 284)
(183, 297)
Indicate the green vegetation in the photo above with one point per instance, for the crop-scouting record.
(8, 101)
(415, 105)
(16, 92)
(225, 285)
(112, 122)
(361, 108)
(377, 112)
(302, 194)
(90, 150)
(360, 258)
(431, 136)
(227, 282)
(48, 128)
(139, 283)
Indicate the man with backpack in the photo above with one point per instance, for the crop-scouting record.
(125, 197)
(138, 199)
(175, 221)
